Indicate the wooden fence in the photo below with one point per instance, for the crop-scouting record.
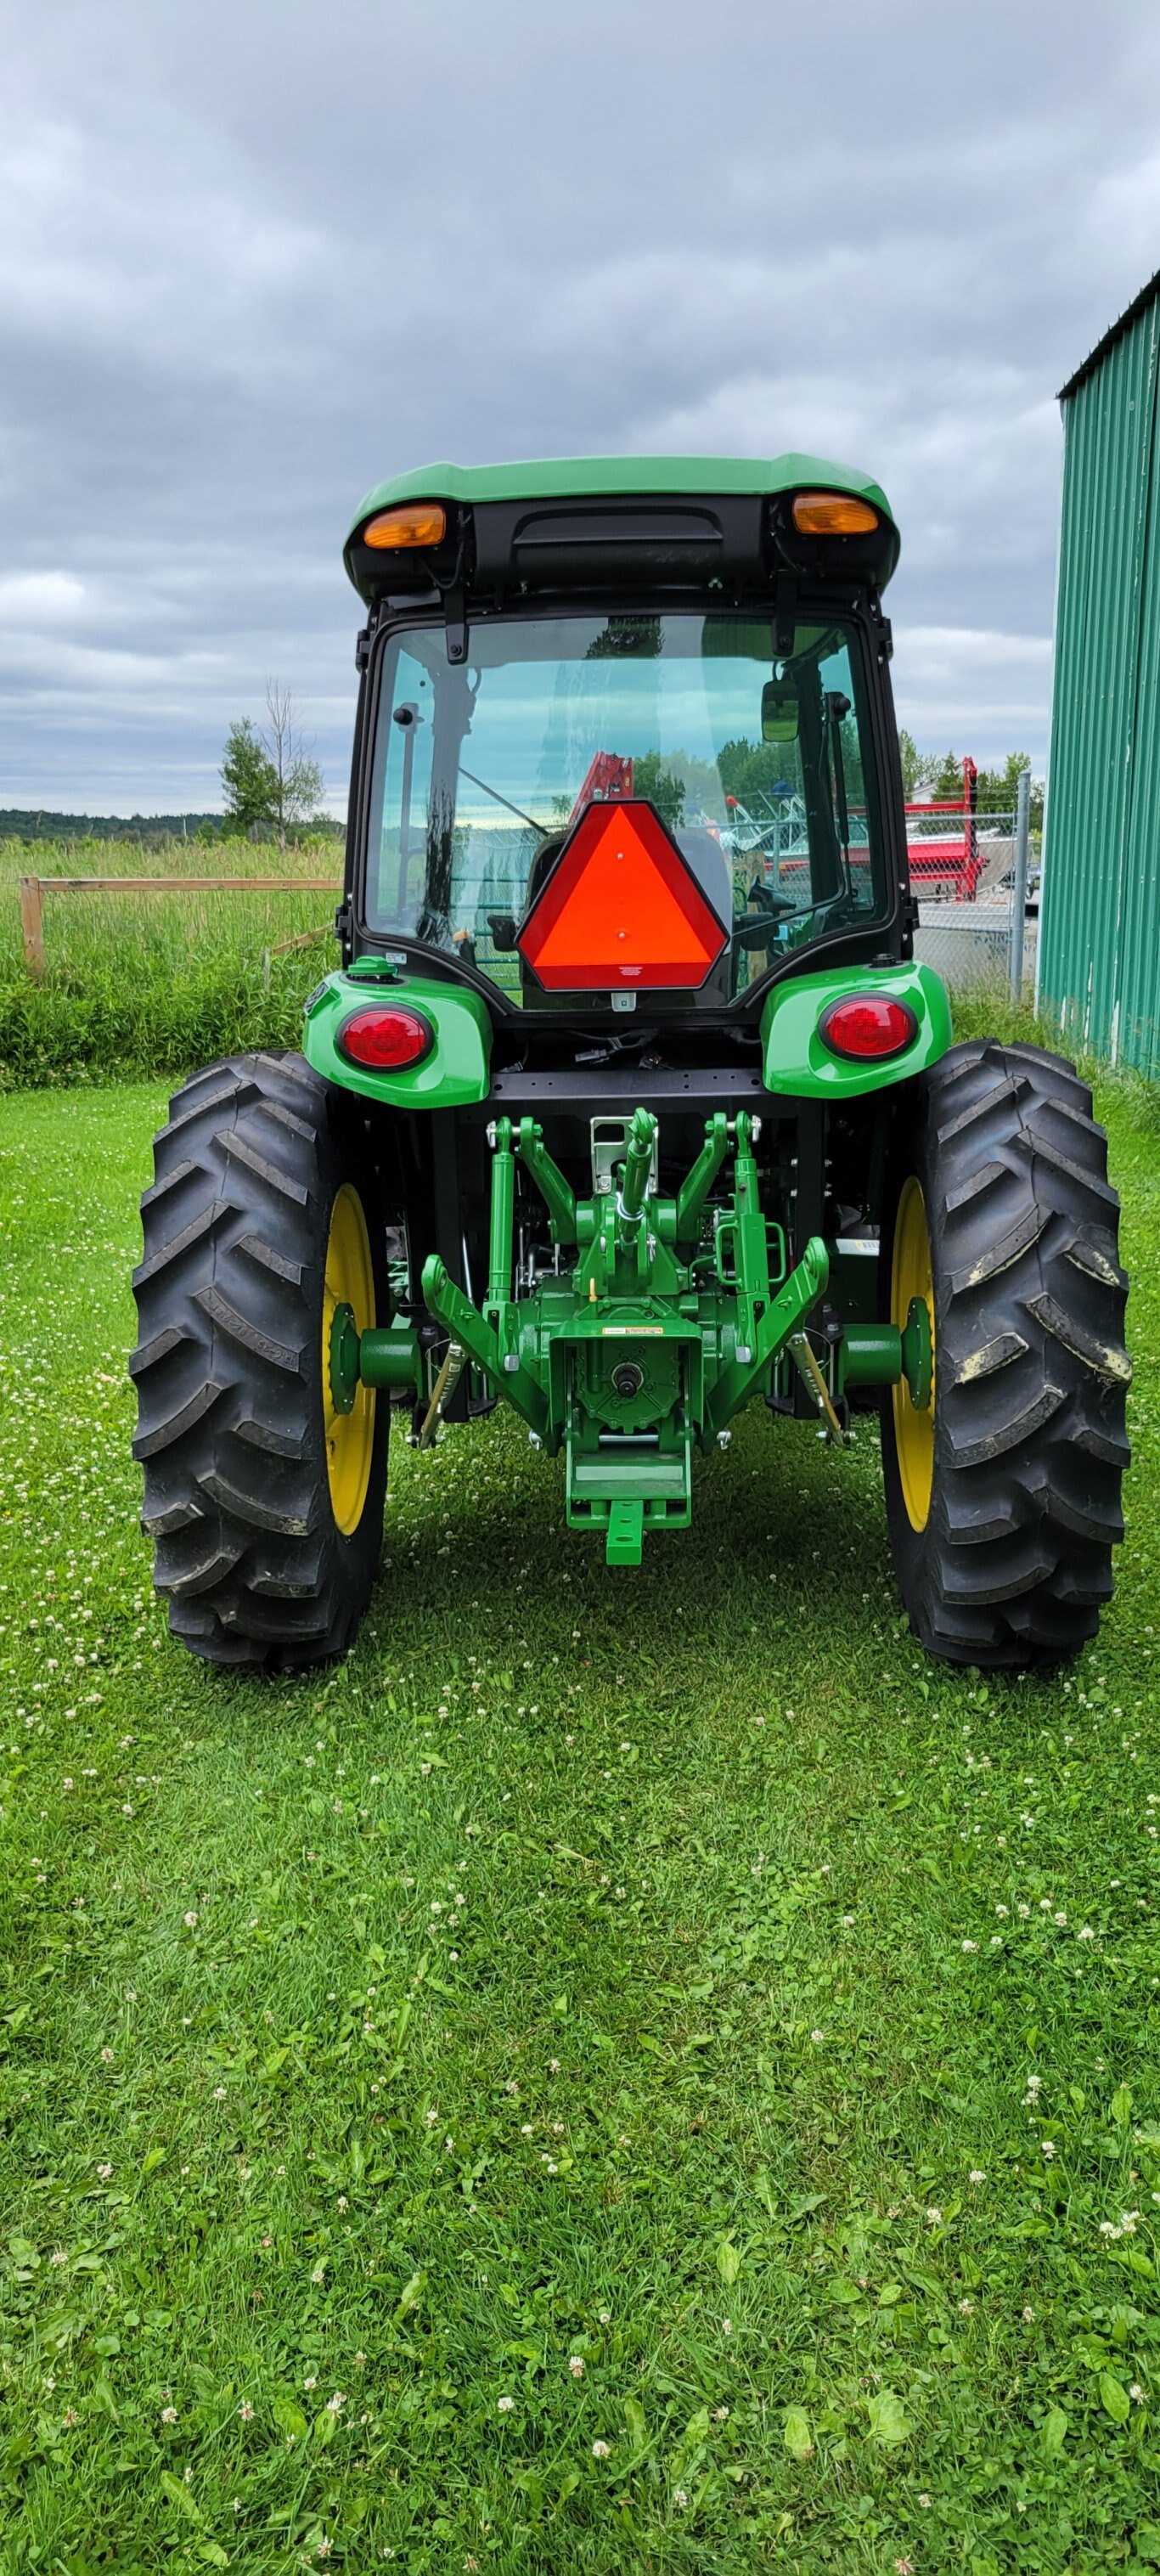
(34, 889)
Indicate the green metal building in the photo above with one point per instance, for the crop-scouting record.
(1099, 946)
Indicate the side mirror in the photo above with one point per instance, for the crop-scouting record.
(779, 711)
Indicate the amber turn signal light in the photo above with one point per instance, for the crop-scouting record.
(385, 1038)
(832, 514)
(410, 523)
(867, 1026)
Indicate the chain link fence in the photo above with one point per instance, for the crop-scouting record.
(971, 903)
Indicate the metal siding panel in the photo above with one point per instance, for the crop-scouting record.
(1101, 906)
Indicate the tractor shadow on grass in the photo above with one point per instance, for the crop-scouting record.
(785, 1534)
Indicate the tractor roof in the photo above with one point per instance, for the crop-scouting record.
(566, 477)
(494, 492)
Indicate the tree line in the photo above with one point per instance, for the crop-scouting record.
(936, 775)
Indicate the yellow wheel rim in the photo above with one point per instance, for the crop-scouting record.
(350, 1281)
(913, 1425)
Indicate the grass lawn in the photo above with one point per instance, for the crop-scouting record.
(628, 2073)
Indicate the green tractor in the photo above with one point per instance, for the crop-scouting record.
(629, 1105)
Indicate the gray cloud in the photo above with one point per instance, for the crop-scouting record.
(252, 259)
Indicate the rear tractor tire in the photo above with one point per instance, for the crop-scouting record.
(264, 1505)
(1003, 1495)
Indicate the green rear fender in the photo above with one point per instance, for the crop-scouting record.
(458, 1068)
(795, 1059)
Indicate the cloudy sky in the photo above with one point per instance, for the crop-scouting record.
(255, 257)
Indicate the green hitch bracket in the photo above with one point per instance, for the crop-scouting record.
(780, 1317)
(465, 1324)
(624, 1536)
(698, 1182)
(638, 1157)
(557, 1193)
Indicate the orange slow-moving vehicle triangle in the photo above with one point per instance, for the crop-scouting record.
(620, 909)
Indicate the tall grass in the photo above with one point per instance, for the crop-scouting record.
(148, 984)
(142, 983)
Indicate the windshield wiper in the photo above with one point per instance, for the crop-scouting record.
(544, 829)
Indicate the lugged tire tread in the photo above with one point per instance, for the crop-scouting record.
(1106, 1359)
(168, 1182)
(1069, 1170)
(172, 1250)
(173, 1426)
(250, 1337)
(228, 1368)
(1016, 1557)
(232, 1142)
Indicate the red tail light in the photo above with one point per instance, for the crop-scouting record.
(385, 1037)
(867, 1026)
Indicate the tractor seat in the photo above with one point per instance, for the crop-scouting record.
(707, 861)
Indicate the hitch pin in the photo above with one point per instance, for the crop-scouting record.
(813, 1379)
(441, 1393)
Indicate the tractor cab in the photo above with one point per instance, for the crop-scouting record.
(692, 657)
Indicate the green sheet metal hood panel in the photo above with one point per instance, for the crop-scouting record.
(795, 1059)
(599, 477)
(458, 1069)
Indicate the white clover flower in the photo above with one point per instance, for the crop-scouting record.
(600, 2450)
(576, 2366)
(504, 2405)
